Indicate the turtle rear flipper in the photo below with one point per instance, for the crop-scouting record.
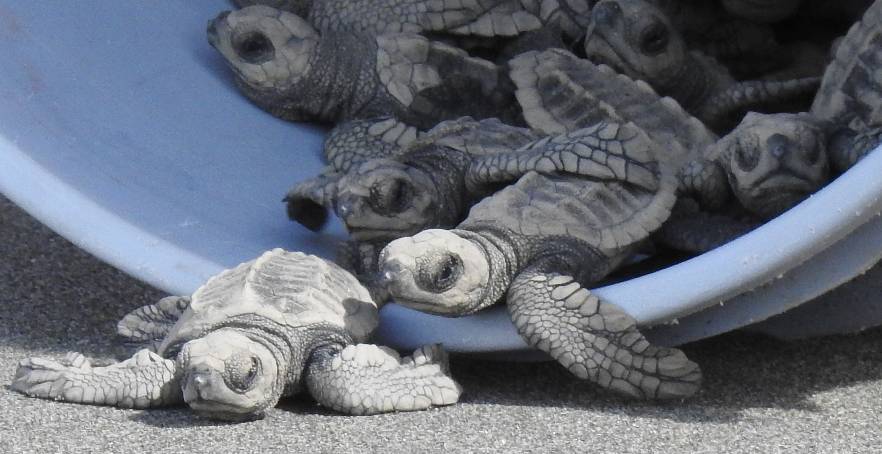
(148, 325)
(366, 379)
(596, 340)
(143, 381)
(431, 80)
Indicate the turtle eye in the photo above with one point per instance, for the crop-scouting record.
(654, 39)
(442, 274)
(746, 157)
(254, 47)
(241, 372)
(391, 196)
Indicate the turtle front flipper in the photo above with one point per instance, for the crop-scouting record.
(725, 109)
(367, 379)
(353, 142)
(148, 325)
(143, 381)
(604, 151)
(361, 258)
(596, 340)
(308, 202)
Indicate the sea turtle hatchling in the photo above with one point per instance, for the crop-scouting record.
(637, 39)
(534, 245)
(250, 335)
(474, 18)
(769, 162)
(289, 69)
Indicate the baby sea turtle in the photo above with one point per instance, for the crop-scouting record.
(478, 18)
(534, 245)
(637, 39)
(850, 98)
(769, 162)
(287, 68)
(419, 186)
(250, 335)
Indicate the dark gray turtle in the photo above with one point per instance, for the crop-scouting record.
(535, 245)
(850, 98)
(286, 67)
(250, 335)
(478, 18)
(769, 162)
(762, 11)
(637, 39)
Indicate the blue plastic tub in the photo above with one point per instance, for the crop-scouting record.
(120, 129)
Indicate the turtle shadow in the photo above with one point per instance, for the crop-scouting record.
(182, 417)
(741, 370)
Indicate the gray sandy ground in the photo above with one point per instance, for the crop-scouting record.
(760, 394)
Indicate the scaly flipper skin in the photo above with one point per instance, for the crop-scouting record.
(145, 380)
(596, 340)
(725, 109)
(148, 325)
(596, 152)
(365, 379)
(353, 142)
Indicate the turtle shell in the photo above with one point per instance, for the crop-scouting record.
(851, 90)
(560, 92)
(289, 288)
(609, 214)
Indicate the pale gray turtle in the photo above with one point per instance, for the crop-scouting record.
(286, 67)
(251, 335)
(769, 162)
(637, 39)
(535, 245)
(850, 98)
(435, 182)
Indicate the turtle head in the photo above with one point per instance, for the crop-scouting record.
(269, 50)
(436, 271)
(298, 7)
(635, 38)
(231, 375)
(385, 198)
(774, 161)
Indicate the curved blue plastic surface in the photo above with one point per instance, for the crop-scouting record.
(120, 129)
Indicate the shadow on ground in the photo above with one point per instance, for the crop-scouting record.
(55, 298)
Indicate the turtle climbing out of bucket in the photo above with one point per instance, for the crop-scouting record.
(535, 244)
(637, 39)
(849, 101)
(767, 164)
(282, 64)
(266, 329)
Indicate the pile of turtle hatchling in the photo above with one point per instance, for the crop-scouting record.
(498, 150)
